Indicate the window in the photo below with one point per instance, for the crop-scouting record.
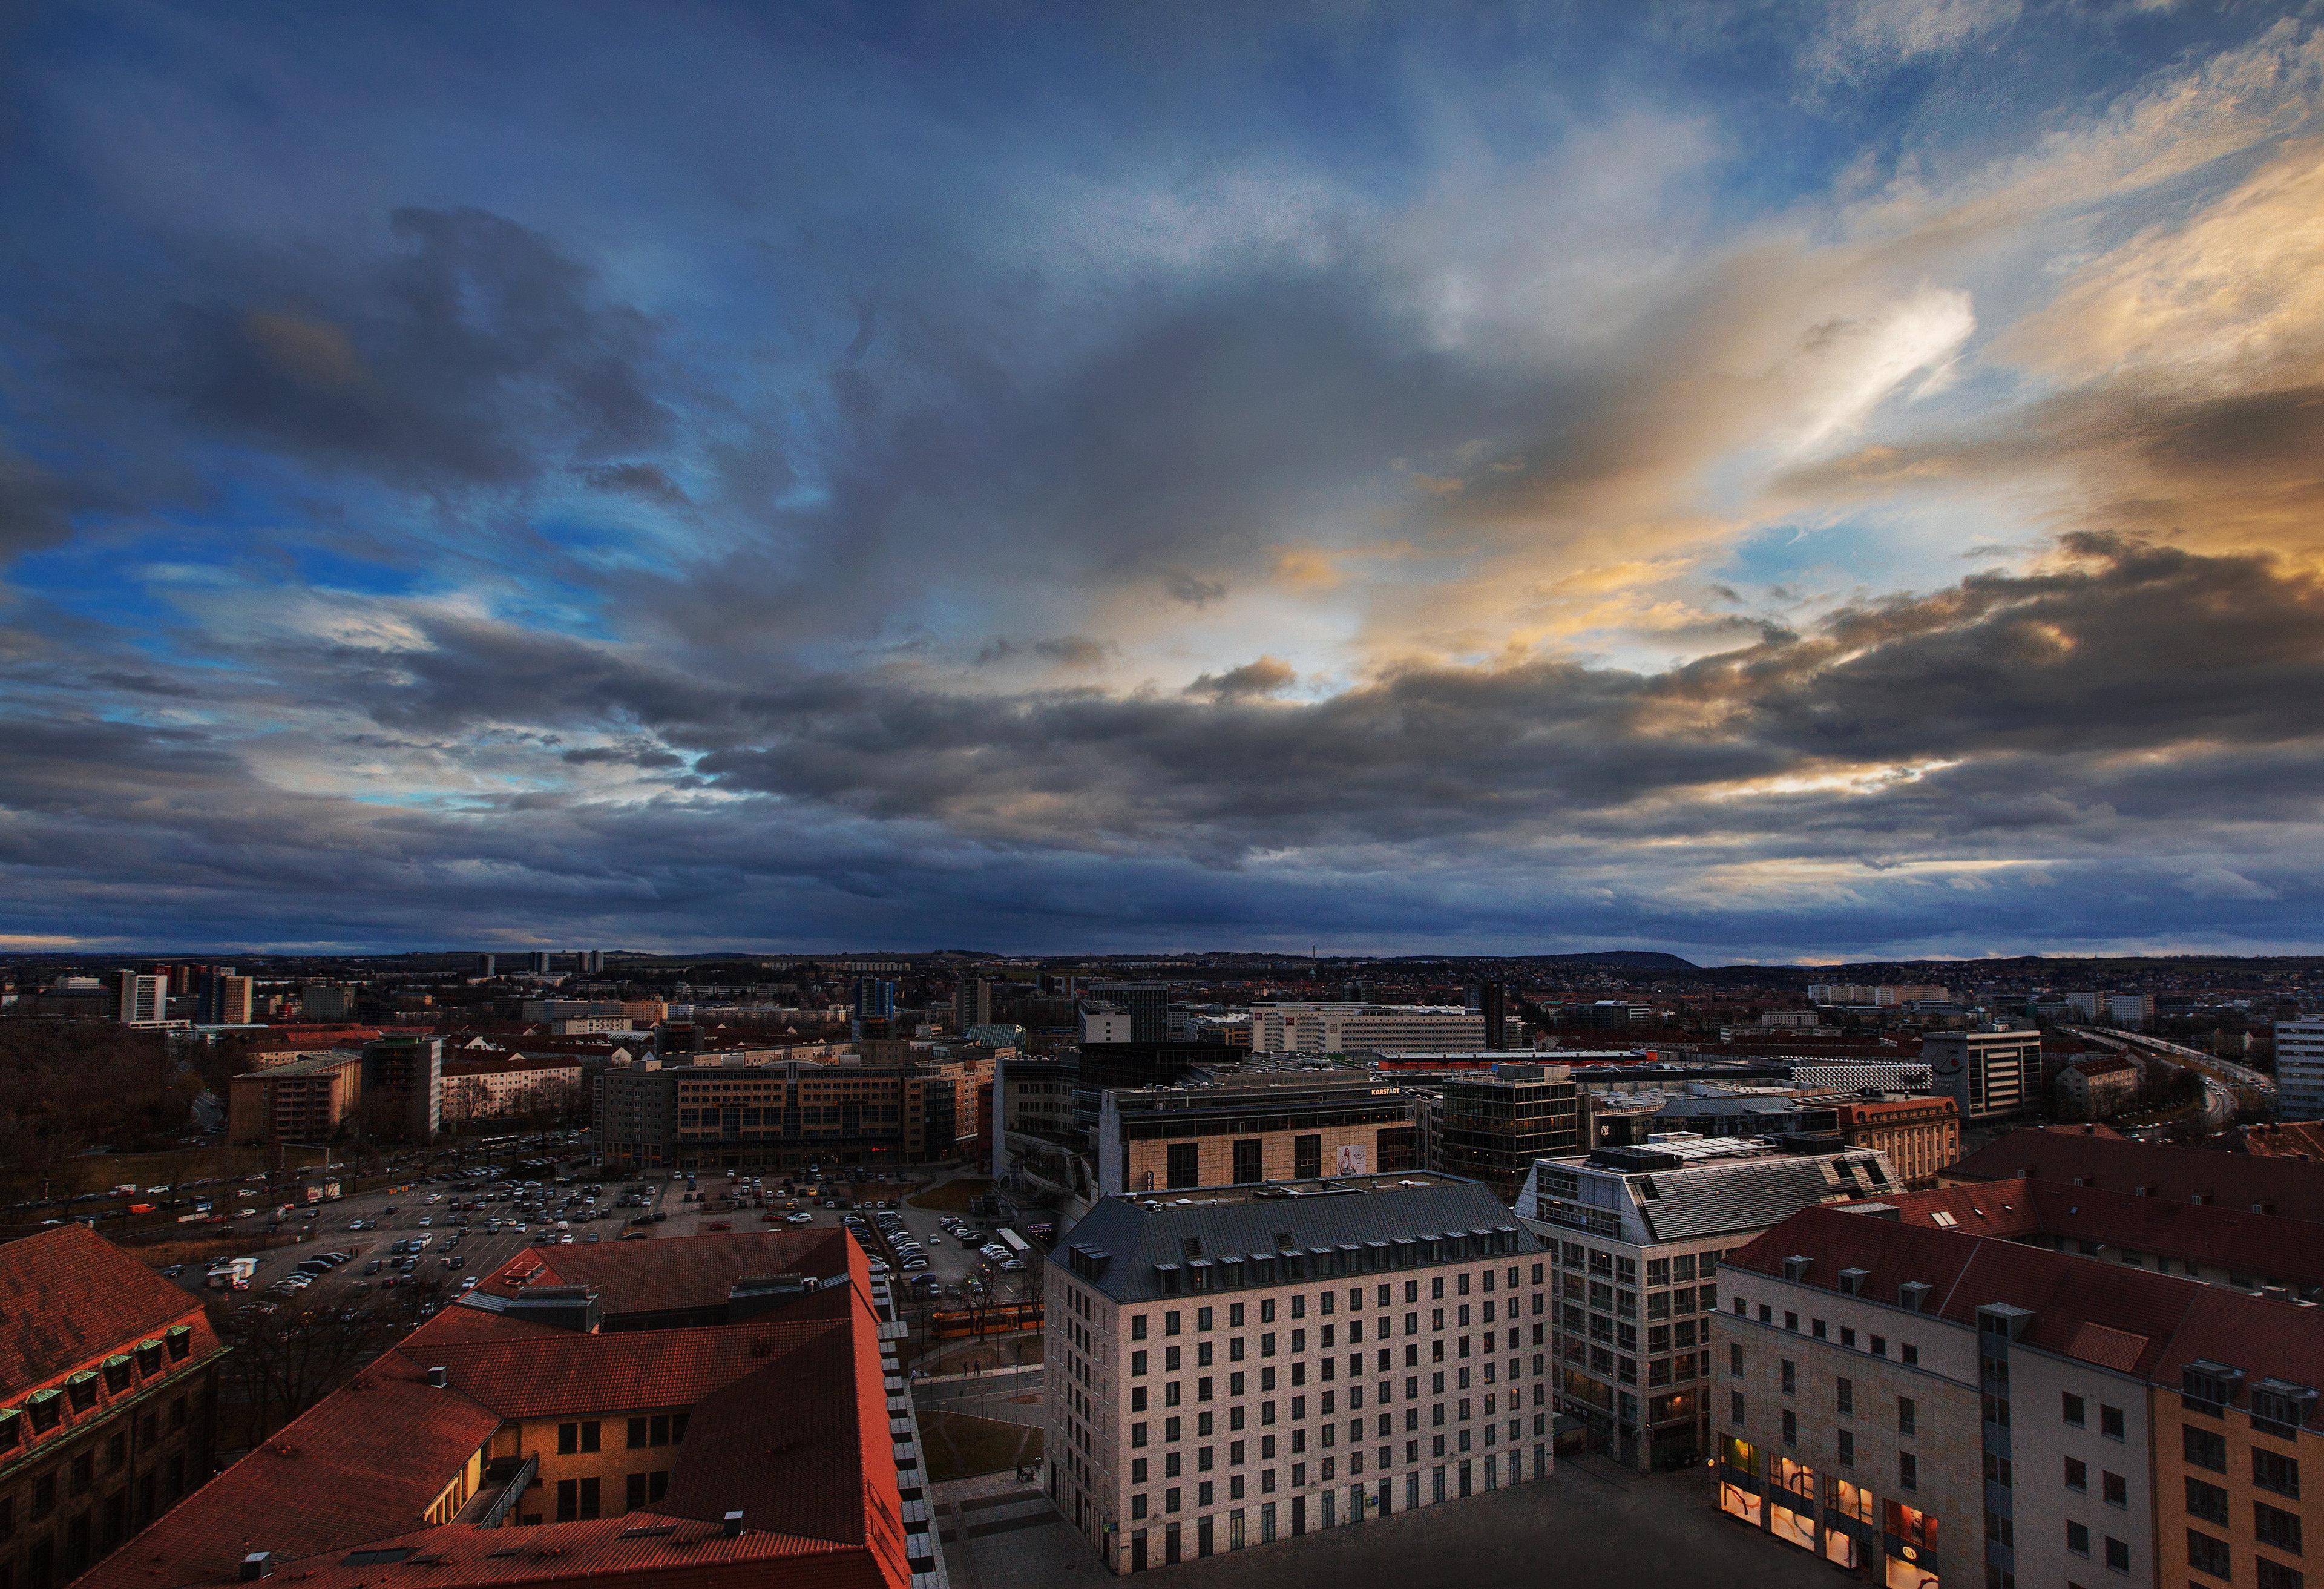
(2117, 1552)
(2207, 1502)
(2274, 1575)
(1735, 1359)
(2117, 1490)
(1185, 1164)
(569, 1439)
(2276, 1473)
(1735, 1407)
(2272, 1526)
(1911, 1354)
(1907, 1416)
(1847, 1395)
(2078, 1475)
(592, 1432)
(2074, 1412)
(2110, 1421)
(1846, 1448)
(1791, 1428)
(1879, 1345)
(1908, 1471)
(2204, 1448)
(1791, 1376)
(2206, 1555)
(2077, 1539)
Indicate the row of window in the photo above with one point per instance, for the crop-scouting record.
(1326, 1337)
(1326, 1302)
(1907, 1353)
(1298, 1405)
(2271, 1470)
(586, 1435)
(1173, 1498)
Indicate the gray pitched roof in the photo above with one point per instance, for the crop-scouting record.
(1131, 1246)
(1752, 1193)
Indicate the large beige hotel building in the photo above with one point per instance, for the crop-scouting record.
(1233, 1365)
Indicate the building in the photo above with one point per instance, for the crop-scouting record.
(519, 1084)
(1105, 1026)
(788, 1114)
(2300, 1068)
(537, 962)
(1239, 1131)
(875, 999)
(110, 1379)
(2290, 1138)
(1921, 1136)
(1928, 1406)
(2096, 1088)
(144, 998)
(1491, 1001)
(403, 1085)
(307, 1098)
(2135, 1011)
(972, 1004)
(2082, 1156)
(590, 962)
(223, 999)
(1492, 1127)
(487, 964)
(1147, 1004)
(1991, 1075)
(1881, 996)
(325, 1001)
(1639, 1233)
(1372, 1029)
(1606, 1015)
(711, 1411)
(1242, 1364)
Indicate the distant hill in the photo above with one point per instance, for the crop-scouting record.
(1635, 959)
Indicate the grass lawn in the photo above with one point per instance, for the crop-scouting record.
(954, 1195)
(959, 1446)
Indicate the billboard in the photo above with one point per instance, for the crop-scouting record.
(1355, 1158)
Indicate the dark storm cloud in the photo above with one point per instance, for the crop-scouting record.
(469, 354)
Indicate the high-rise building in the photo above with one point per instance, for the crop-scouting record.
(403, 1085)
(487, 964)
(143, 998)
(1380, 1028)
(589, 962)
(326, 1001)
(1147, 1004)
(875, 999)
(1491, 1001)
(1991, 1075)
(972, 1003)
(538, 962)
(2300, 1068)
(1210, 1411)
(224, 998)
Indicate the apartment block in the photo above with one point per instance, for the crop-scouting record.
(306, 1099)
(110, 1376)
(1236, 1365)
(1991, 1077)
(1639, 1233)
(1372, 1029)
(787, 1115)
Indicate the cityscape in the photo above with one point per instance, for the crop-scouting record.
(948, 795)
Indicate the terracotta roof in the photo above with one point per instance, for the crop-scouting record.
(67, 1296)
(2233, 1239)
(788, 1426)
(2291, 1187)
(2105, 1065)
(2287, 1138)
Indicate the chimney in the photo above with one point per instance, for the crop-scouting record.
(440, 1377)
(257, 1564)
(734, 1524)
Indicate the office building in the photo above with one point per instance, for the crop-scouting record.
(2300, 1068)
(1606, 1015)
(1369, 1029)
(143, 998)
(875, 999)
(1243, 1130)
(972, 1004)
(1920, 1136)
(1638, 1234)
(304, 1099)
(1238, 1365)
(789, 1114)
(1491, 1001)
(403, 1087)
(1990, 1076)
(1928, 1406)
(712, 1411)
(110, 1376)
(1492, 1127)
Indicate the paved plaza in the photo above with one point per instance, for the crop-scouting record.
(1588, 1523)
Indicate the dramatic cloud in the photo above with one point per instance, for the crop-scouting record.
(1043, 482)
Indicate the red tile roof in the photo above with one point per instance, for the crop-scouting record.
(2233, 1239)
(2287, 1138)
(2291, 1187)
(69, 1296)
(788, 1425)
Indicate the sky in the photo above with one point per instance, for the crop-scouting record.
(1784, 482)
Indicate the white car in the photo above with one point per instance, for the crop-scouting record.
(801, 1219)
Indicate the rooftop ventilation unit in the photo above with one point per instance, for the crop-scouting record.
(257, 1564)
(1912, 1295)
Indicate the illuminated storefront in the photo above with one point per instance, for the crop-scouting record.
(1910, 1537)
(1791, 1504)
(1739, 1481)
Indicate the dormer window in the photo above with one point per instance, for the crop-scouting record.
(2209, 1387)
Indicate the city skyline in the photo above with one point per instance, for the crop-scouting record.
(1787, 484)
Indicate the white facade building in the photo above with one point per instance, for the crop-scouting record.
(2300, 1068)
(1241, 1364)
(1378, 1029)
